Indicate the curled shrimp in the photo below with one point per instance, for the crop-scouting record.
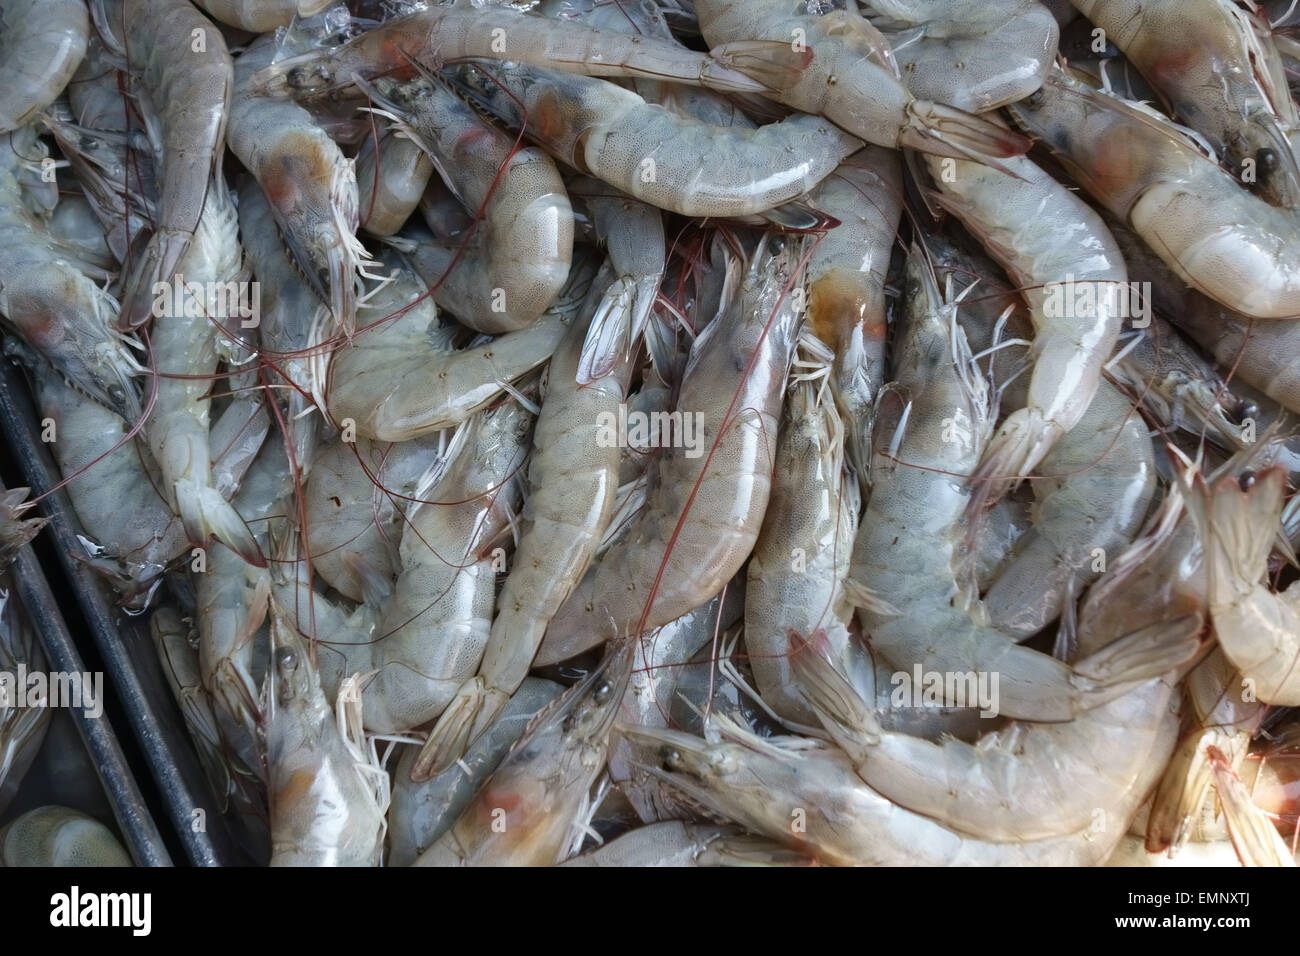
(41, 46)
(853, 80)
(354, 504)
(1072, 274)
(512, 268)
(185, 77)
(421, 642)
(1217, 67)
(670, 161)
(703, 515)
(1093, 491)
(1259, 630)
(1093, 762)
(913, 536)
(402, 378)
(1216, 236)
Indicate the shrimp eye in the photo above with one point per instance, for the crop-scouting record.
(603, 693)
(1245, 480)
(1035, 99)
(286, 660)
(1266, 158)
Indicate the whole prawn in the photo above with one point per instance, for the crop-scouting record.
(670, 161)
(1226, 82)
(572, 483)
(1216, 236)
(185, 74)
(512, 268)
(1057, 250)
(702, 517)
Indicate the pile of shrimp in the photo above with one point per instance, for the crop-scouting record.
(656, 432)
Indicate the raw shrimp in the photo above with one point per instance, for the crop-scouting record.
(52, 303)
(806, 795)
(41, 46)
(846, 285)
(652, 690)
(1229, 244)
(59, 836)
(132, 533)
(1219, 71)
(702, 517)
(1021, 783)
(1057, 250)
(428, 637)
(354, 505)
(402, 379)
(391, 176)
(464, 30)
(533, 806)
(801, 558)
(22, 729)
(184, 351)
(310, 186)
(231, 597)
(185, 81)
(423, 811)
(1088, 764)
(511, 269)
(915, 599)
(180, 666)
(853, 80)
(1259, 630)
(103, 163)
(572, 482)
(292, 322)
(670, 161)
(261, 16)
(1092, 493)
(676, 843)
(327, 796)
(1255, 352)
(974, 56)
